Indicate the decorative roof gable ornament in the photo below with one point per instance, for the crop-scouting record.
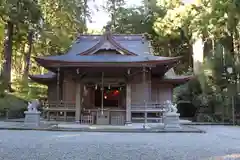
(108, 42)
(106, 45)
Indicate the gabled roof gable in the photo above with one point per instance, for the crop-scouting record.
(106, 42)
(127, 44)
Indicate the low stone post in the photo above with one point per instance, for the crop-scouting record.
(6, 113)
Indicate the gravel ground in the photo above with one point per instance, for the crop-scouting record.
(41, 145)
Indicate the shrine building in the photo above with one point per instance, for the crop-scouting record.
(108, 79)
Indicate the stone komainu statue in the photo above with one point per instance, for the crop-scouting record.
(171, 108)
(32, 106)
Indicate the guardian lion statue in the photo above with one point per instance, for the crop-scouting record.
(171, 108)
(32, 106)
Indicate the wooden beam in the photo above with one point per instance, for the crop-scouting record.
(128, 104)
(78, 102)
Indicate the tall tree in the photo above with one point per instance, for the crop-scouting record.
(28, 54)
(112, 7)
(14, 13)
(131, 21)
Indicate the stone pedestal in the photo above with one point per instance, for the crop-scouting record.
(32, 118)
(157, 126)
(171, 121)
(128, 123)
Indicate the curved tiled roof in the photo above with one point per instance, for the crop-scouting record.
(43, 78)
(171, 77)
(106, 58)
(132, 49)
(109, 50)
(129, 44)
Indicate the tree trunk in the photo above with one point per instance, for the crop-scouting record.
(85, 12)
(28, 55)
(169, 49)
(190, 55)
(232, 44)
(113, 17)
(7, 63)
(198, 55)
(23, 58)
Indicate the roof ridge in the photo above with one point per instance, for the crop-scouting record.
(119, 46)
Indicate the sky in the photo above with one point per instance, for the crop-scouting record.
(100, 18)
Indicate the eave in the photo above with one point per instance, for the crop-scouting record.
(43, 78)
(55, 63)
(177, 80)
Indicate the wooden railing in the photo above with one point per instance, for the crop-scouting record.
(159, 107)
(62, 104)
(148, 109)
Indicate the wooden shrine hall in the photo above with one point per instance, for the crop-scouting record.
(108, 79)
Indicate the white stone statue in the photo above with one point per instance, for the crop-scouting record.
(174, 108)
(32, 106)
(168, 106)
(32, 115)
(171, 119)
(171, 108)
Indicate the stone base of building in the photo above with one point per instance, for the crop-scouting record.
(32, 118)
(171, 120)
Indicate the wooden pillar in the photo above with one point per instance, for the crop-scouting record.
(58, 86)
(150, 86)
(78, 102)
(65, 116)
(92, 97)
(145, 96)
(128, 104)
(57, 116)
(48, 115)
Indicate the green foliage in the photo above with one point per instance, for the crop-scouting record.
(213, 89)
(131, 21)
(135, 20)
(112, 7)
(21, 11)
(28, 90)
(55, 24)
(190, 92)
(14, 105)
(217, 23)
